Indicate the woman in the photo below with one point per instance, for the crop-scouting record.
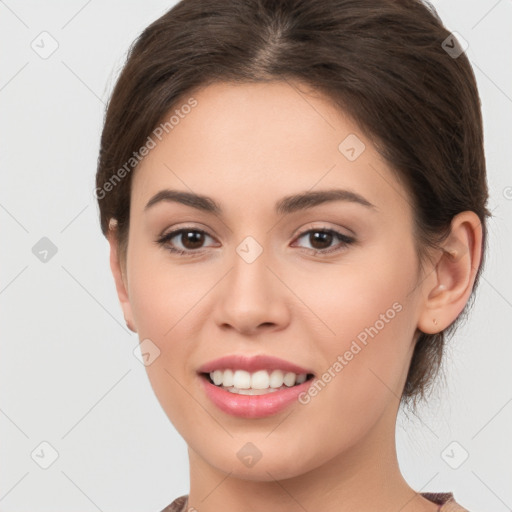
(294, 194)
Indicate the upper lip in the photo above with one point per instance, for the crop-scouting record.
(251, 364)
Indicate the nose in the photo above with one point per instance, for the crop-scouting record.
(251, 298)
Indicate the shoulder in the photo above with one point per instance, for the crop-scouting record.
(178, 505)
(446, 500)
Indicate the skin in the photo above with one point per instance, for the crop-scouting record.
(247, 146)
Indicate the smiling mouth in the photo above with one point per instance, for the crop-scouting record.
(258, 383)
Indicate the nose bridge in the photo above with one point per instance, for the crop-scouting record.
(249, 281)
(251, 263)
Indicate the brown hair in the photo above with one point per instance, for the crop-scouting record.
(385, 63)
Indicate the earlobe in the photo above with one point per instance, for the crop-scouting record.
(119, 275)
(450, 285)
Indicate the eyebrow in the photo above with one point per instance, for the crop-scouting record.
(286, 205)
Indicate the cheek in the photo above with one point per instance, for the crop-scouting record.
(366, 321)
(162, 299)
(162, 293)
(344, 300)
(365, 360)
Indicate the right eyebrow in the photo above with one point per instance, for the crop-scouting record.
(310, 199)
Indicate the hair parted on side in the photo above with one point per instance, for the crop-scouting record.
(382, 62)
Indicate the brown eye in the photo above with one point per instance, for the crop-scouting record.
(192, 239)
(183, 241)
(321, 240)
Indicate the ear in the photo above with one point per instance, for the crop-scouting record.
(119, 275)
(449, 286)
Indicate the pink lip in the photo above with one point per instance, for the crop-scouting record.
(253, 406)
(251, 364)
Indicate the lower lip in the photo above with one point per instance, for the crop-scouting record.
(253, 406)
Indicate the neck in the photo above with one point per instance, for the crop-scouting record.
(364, 477)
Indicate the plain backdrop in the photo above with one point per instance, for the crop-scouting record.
(74, 397)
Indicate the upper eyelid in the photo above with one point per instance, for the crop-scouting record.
(175, 232)
(296, 232)
(300, 232)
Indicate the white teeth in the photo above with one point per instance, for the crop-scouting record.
(260, 380)
(276, 379)
(227, 379)
(301, 378)
(250, 391)
(289, 379)
(217, 377)
(243, 381)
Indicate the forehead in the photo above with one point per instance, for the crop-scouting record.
(263, 139)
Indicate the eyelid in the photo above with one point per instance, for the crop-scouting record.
(176, 231)
(323, 226)
(184, 225)
(344, 240)
(163, 241)
(326, 230)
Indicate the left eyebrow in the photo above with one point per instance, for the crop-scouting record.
(310, 199)
(286, 205)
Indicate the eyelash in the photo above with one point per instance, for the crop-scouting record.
(345, 241)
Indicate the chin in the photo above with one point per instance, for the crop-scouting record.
(269, 465)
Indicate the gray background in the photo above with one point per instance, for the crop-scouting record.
(68, 373)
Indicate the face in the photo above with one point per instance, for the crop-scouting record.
(328, 285)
